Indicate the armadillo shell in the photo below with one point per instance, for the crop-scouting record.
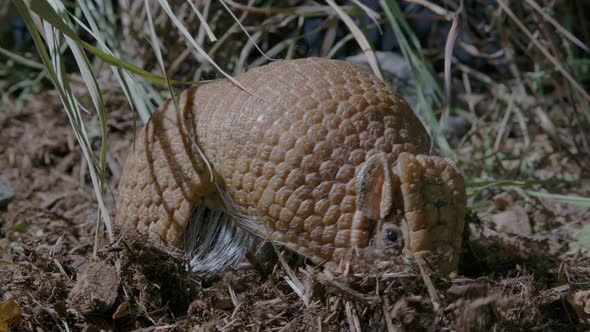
(284, 153)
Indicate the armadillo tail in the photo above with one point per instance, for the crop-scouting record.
(214, 241)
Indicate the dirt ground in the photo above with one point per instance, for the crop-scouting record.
(518, 270)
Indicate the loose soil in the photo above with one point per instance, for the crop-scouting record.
(516, 272)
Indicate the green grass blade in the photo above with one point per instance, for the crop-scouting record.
(97, 100)
(55, 67)
(569, 199)
(421, 75)
(137, 96)
(359, 37)
(155, 46)
(204, 24)
(47, 13)
(166, 6)
(21, 59)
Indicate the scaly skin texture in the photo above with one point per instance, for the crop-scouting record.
(289, 152)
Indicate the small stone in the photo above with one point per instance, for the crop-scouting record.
(96, 288)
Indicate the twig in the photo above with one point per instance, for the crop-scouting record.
(438, 10)
(387, 316)
(434, 298)
(557, 26)
(543, 50)
(359, 37)
(346, 290)
(353, 318)
(449, 45)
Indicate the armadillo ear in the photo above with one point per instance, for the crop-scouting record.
(374, 188)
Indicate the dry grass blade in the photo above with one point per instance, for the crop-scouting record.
(545, 52)
(137, 96)
(252, 40)
(155, 46)
(449, 46)
(352, 317)
(347, 291)
(292, 278)
(434, 298)
(570, 199)
(423, 79)
(166, 6)
(292, 41)
(360, 38)
(558, 26)
(21, 59)
(55, 66)
(245, 53)
(275, 50)
(299, 11)
(387, 315)
(204, 24)
(438, 10)
(219, 44)
(373, 15)
(44, 10)
(504, 123)
(339, 45)
(72, 106)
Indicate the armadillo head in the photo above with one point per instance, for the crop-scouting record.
(418, 203)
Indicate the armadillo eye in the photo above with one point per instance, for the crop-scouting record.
(390, 235)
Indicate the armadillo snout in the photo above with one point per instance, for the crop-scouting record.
(433, 204)
(415, 207)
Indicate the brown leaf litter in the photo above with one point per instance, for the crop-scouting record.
(51, 281)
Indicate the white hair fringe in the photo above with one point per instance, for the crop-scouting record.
(215, 241)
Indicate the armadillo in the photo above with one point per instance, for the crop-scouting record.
(316, 155)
